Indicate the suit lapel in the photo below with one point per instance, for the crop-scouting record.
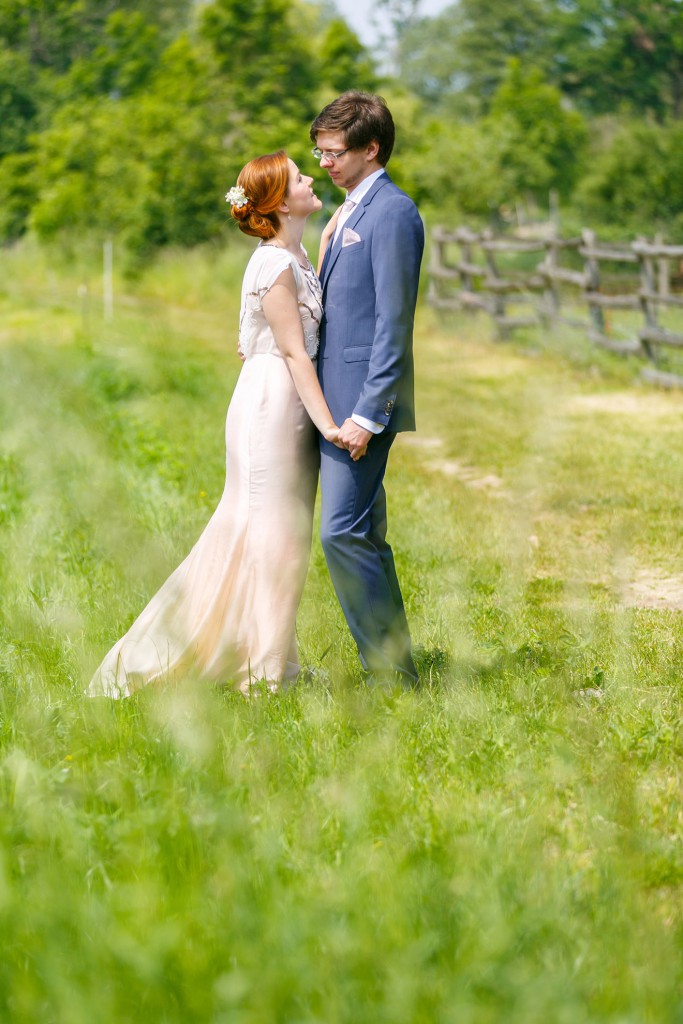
(334, 248)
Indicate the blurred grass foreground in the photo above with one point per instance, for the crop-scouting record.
(503, 845)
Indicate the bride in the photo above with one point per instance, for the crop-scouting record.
(228, 612)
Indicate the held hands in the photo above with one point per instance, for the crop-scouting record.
(331, 434)
(354, 438)
(350, 437)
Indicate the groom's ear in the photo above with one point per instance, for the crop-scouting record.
(372, 149)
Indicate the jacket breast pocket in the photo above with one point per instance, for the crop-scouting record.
(348, 250)
(357, 354)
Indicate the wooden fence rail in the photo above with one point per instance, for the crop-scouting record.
(466, 273)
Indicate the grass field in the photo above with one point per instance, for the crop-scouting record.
(503, 845)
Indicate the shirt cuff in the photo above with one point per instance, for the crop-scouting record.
(374, 428)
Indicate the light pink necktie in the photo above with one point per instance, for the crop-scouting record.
(344, 214)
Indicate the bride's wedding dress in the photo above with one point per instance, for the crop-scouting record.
(228, 611)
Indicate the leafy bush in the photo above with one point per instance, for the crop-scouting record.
(636, 178)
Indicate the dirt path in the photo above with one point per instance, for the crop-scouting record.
(648, 588)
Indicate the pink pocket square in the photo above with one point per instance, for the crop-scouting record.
(350, 237)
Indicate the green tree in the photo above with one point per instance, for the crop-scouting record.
(54, 34)
(527, 144)
(426, 58)
(265, 56)
(344, 61)
(122, 63)
(621, 54)
(18, 194)
(544, 141)
(144, 137)
(465, 50)
(609, 55)
(402, 15)
(21, 96)
(458, 172)
(140, 170)
(150, 168)
(636, 177)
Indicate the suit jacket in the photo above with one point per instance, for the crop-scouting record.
(365, 360)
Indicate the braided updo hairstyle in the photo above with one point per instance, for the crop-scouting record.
(264, 181)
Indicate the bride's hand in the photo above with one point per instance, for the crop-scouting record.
(327, 234)
(328, 230)
(331, 434)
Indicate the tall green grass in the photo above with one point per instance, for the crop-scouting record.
(502, 845)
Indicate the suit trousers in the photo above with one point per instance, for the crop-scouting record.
(360, 561)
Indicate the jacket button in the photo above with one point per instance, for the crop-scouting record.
(388, 407)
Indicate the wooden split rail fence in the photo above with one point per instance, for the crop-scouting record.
(466, 273)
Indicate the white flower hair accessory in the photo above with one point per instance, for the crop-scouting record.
(236, 197)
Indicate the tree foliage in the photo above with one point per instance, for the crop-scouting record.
(121, 64)
(138, 169)
(545, 141)
(504, 86)
(465, 51)
(345, 59)
(621, 54)
(262, 50)
(117, 120)
(21, 96)
(130, 117)
(605, 54)
(526, 145)
(637, 174)
(55, 33)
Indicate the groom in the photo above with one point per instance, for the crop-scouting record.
(369, 278)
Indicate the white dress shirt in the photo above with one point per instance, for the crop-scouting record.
(355, 196)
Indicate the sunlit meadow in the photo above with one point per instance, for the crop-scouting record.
(503, 845)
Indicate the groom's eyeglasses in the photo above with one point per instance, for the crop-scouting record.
(328, 154)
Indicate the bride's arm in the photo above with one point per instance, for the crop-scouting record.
(328, 231)
(281, 309)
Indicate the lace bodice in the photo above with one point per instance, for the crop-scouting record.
(263, 269)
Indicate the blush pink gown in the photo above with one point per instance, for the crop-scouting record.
(228, 612)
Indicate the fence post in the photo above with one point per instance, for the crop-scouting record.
(592, 273)
(662, 270)
(655, 290)
(464, 241)
(435, 263)
(551, 292)
(554, 211)
(647, 291)
(498, 296)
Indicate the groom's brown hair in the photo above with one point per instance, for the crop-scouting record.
(363, 118)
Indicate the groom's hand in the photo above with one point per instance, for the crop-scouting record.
(354, 438)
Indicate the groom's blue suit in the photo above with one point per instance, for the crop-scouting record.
(365, 364)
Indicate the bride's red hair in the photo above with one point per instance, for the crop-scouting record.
(264, 180)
